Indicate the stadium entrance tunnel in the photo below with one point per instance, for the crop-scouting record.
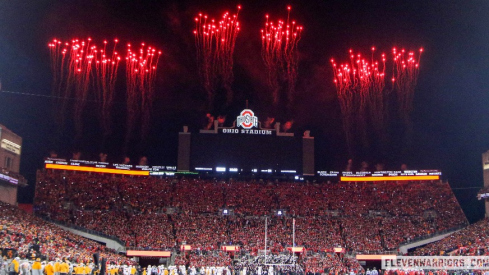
(145, 261)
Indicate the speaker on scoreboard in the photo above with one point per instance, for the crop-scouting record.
(183, 161)
(307, 154)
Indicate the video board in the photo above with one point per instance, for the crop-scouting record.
(371, 176)
(223, 152)
(110, 168)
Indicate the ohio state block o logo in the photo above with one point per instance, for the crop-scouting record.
(247, 119)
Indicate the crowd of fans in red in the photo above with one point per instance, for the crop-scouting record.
(152, 213)
(22, 232)
(319, 264)
(156, 213)
(473, 240)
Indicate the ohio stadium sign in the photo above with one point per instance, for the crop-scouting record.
(249, 124)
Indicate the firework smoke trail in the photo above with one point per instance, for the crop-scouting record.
(57, 54)
(360, 86)
(377, 100)
(405, 77)
(361, 81)
(344, 81)
(149, 76)
(225, 42)
(377, 85)
(279, 53)
(369, 85)
(141, 69)
(81, 67)
(203, 42)
(72, 70)
(215, 44)
(107, 64)
(81, 61)
(58, 50)
(131, 96)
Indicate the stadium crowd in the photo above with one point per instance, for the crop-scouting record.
(31, 237)
(472, 240)
(152, 213)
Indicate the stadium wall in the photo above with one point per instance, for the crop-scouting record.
(10, 149)
(8, 193)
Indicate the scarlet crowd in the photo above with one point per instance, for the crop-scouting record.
(152, 213)
(473, 240)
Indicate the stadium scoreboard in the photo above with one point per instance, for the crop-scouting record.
(109, 168)
(369, 176)
(142, 170)
(246, 153)
(246, 148)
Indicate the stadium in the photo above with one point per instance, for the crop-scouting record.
(260, 142)
(204, 214)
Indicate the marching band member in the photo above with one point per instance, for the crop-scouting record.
(49, 269)
(36, 267)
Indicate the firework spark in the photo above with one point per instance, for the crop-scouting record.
(405, 78)
(215, 43)
(360, 87)
(279, 52)
(82, 70)
(141, 66)
(106, 66)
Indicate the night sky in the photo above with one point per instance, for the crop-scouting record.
(450, 118)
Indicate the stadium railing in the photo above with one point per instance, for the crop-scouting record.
(93, 232)
(424, 237)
